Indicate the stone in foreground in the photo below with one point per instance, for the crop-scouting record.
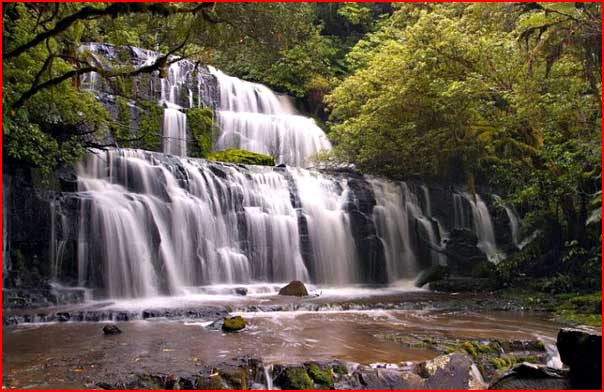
(294, 288)
(111, 329)
(582, 352)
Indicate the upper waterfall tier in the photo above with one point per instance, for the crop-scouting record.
(249, 116)
(254, 118)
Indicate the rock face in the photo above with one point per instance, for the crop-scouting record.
(111, 329)
(582, 353)
(463, 253)
(233, 324)
(530, 376)
(294, 288)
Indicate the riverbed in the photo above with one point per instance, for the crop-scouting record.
(354, 325)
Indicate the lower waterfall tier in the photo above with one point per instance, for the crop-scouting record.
(142, 224)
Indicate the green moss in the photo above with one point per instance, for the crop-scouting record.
(202, 130)
(149, 125)
(241, 156)
(528, 358)
(211, 382)
(339, 370)
(321, 377)
(236, 378)
(581, 309)
(298, 378)
(121, 132)
(470, 349)
(232, 324)
(503, 363)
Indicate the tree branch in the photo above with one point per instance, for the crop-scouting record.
(113, 10)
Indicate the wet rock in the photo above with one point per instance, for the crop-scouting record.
(432, 274)
(382, 378)
(111, 329)
(461, 285)
(241, 291)
(533, 377)
(233, 324)
(294, 288)
(234, 377)
(463, 253)
(582, 352)
(292, 377)
(451, 371)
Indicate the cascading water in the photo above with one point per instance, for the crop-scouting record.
(334, 257)
(154, 224)
(484, 229)
(396, 214)
(254, 118)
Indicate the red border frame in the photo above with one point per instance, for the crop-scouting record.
(297, 1)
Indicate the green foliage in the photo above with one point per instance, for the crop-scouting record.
(202, 129)
(322, 377)
(233, 155)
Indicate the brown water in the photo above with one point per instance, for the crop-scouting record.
(76, 355)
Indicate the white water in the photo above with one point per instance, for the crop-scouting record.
(334, 254)
(483, 226)
(153, 226)
(254, 118)
(175, 132)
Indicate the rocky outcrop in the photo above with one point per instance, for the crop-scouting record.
(581, 351)
(533, 377)
(294, 288)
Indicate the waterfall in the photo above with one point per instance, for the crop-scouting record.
(483, 226)
(175, 132)
(57, 242)
(396, 213)
(334, 255)
(254, 118)
(513, 218)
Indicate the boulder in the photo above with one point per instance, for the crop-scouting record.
(366, 377)
(434, 273)
(451, 371)
(233, 324)
(581, 351)
(294, 288)
(241, 291)
(533, 377)
(111, 329)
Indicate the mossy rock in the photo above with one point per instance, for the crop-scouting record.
(320, 375)
(211, 382)
(233, 155)
(297, 378)
(233, 324)
(503, 363)
(294, 288)
(236, 378)
(202, 129)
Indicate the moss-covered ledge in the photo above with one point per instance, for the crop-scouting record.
(234, 155)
